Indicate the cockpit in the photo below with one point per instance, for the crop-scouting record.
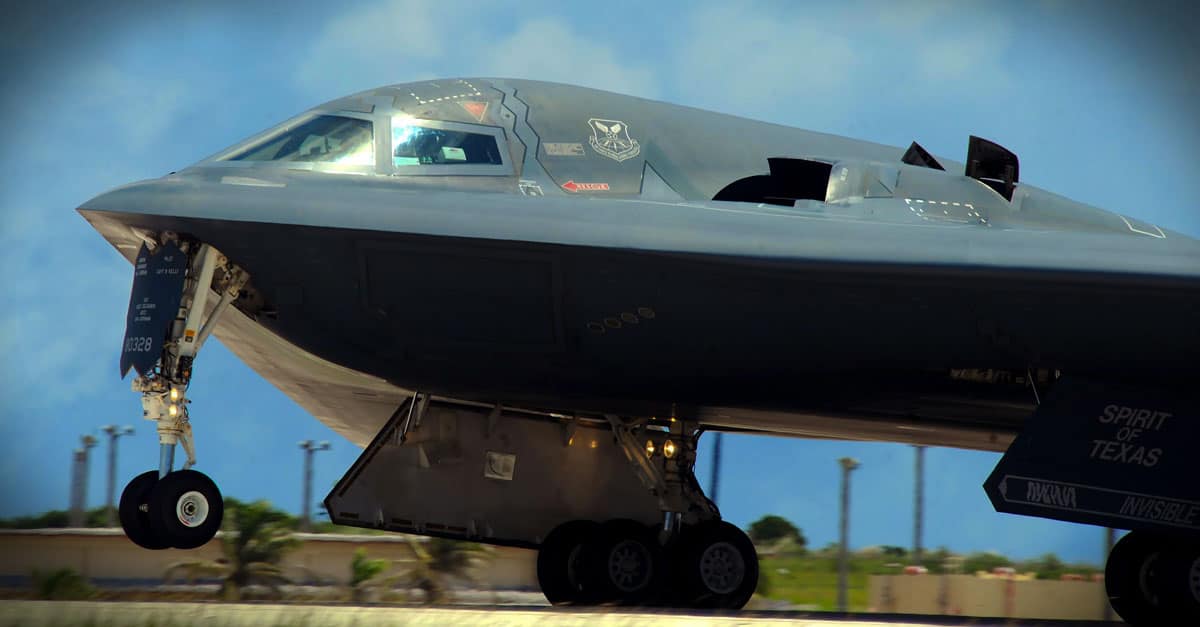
(353, 144)
(321, 139)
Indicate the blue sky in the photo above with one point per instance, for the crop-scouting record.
(1098, 103)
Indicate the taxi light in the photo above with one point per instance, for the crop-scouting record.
(173, 410)
(649, 448)
(669, 449)
(174, 394)
(594, 444)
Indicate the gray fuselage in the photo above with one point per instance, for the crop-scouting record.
(583, 266)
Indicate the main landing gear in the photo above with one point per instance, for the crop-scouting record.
(693, 560)
(168, 508)
(1154, 579)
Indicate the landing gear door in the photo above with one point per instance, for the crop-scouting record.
(153, 305)
(1105, 455)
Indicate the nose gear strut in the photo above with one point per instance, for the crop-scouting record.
(151, 506)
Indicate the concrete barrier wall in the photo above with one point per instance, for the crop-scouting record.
(968, 595)
(106, 556)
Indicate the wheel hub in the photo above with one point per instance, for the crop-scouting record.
(1147, 579)
(575, 567)
(192, 509)
(629, 566)
(722, 568)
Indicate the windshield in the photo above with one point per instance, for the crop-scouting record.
(416, 145)
(322, 139)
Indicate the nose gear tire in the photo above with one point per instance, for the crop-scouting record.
(186, 509)
(133, 512)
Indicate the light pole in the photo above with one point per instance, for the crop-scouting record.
(309, 447)
(918, 504)
(114, 432)
(79, 479)
(848, 464)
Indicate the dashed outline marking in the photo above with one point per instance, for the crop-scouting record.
(474, 92)
(971, 211)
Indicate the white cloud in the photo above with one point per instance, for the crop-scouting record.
(550, 49)
(389, 42)
(407, 40)
(738, 60)
(62, 312)
(60, 337)
(142, 106)
(955, 55)
(820, 67)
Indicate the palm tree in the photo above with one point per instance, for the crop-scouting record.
(255, 540)
(434, 564)
(365, 574)
(439, 561)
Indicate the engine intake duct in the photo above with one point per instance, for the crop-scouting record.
(790, 180)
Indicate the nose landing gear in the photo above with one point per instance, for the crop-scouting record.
(168, 508)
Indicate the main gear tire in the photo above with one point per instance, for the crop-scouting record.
(563, 562)
(1134, 578)
(628, 565)
(718, 566)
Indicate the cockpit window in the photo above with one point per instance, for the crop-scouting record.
(322, 139)
(417, 145)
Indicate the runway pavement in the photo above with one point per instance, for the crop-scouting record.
(113, 614)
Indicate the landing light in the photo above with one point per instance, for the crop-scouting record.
(174, 394)
(594, 444)
(649, 448)
(173, 410)
(669, 449)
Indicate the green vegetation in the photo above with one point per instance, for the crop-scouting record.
(54, 519)
(257, 537)
(364, 574)
(809, 578)
(63, 584)
(772, 528)
(431, 569)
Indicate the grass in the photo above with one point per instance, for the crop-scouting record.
(812, 581)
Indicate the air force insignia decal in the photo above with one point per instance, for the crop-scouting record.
(611, 139)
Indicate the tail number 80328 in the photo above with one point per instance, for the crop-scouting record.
(138, 344)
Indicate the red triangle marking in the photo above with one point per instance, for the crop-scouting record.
(475, 108)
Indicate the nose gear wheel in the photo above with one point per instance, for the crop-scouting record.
(185, 509)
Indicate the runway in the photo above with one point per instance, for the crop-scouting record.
(159, 614)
